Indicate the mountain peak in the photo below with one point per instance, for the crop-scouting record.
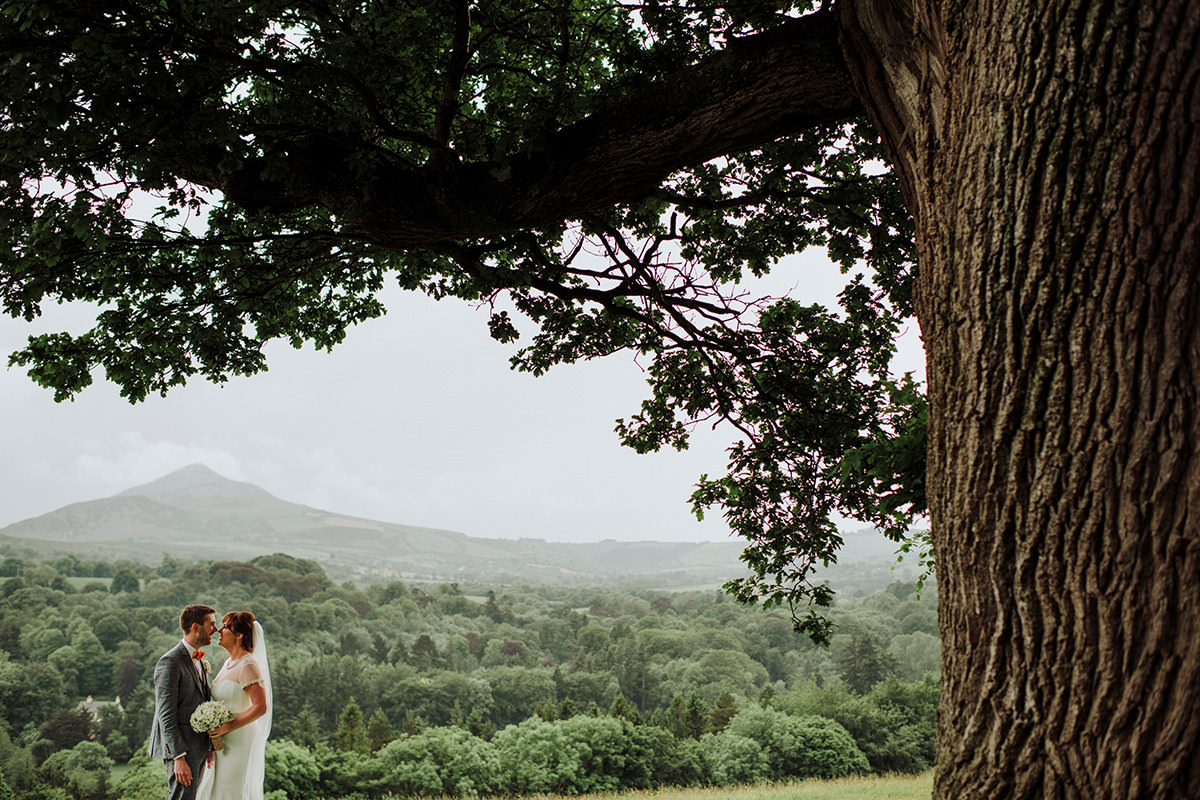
(198, 486)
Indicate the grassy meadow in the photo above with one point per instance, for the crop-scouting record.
(888, 787)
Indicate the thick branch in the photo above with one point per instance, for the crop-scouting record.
(452, 83)
(758, 89)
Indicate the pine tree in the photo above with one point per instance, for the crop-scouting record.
(673, 718)
(863, 663)
(686, 719)
(721, 713)
(623, 709)
(351, 733)
(695, 716)
(306, 731)
(379, 730)
(126, 677)
(424, 655)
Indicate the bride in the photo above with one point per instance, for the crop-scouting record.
(244, 684)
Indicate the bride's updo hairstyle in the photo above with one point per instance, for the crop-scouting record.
(241, 622)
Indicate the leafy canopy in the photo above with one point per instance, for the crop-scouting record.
(216, 174)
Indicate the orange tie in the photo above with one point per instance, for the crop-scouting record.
(198, 654)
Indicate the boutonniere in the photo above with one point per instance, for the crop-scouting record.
(204, 663)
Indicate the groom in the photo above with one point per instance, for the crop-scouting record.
(180, 684)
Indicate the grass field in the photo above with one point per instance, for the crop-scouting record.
(890, 787)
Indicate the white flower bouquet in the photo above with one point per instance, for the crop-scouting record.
(208, 715)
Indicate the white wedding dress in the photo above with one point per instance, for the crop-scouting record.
(237, 771)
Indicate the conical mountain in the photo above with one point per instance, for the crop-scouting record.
(198, 487)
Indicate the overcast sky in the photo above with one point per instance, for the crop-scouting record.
(415, 419)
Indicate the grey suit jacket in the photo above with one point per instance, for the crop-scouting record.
(178, 690)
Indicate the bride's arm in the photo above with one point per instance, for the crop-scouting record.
(257, 707)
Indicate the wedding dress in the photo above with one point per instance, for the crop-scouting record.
(237, 770)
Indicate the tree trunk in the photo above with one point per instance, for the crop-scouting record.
(1050, 152)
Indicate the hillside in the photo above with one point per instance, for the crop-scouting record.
(196, 513)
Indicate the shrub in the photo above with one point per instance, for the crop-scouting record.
(439, 762)
(538, 756)
(802, 747)
(291, 768)
(893, 725)
(824, 749)
(735, 759)
(145, 779)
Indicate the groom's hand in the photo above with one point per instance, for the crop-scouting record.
(208, 759)
(183, 773)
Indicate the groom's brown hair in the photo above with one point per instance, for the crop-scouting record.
(194, 615)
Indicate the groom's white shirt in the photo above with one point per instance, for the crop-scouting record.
(196, 665)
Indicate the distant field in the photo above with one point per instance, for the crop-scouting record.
(891, 787)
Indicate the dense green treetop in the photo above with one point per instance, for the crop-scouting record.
(217, 175)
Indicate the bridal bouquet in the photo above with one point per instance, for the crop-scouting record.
(208, 715)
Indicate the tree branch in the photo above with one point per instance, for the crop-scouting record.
(759, 88)
(460, 54)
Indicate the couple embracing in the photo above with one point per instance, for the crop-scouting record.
(194, 770)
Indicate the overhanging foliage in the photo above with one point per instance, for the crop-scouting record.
(607, 170)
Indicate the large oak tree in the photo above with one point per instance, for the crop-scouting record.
(608, 170)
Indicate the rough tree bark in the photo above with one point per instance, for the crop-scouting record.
(1050, 153)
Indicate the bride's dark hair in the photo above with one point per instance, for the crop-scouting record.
(241, 622)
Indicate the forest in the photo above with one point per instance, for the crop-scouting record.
(456, 690)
